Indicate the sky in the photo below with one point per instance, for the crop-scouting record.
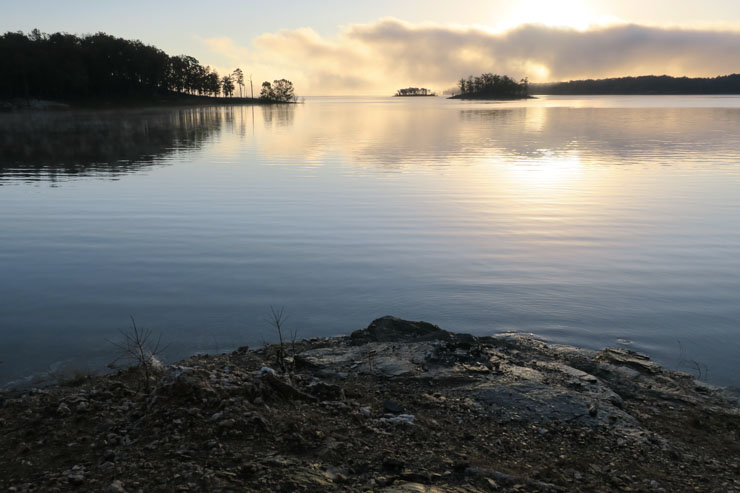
(332, 47)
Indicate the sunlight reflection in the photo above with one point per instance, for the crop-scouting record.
(550, 172)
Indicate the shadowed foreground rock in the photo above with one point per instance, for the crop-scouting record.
(397, 407)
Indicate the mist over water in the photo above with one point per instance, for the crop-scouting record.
(590, 221)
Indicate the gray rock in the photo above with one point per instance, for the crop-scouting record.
(115, 487)
(593, 410)
(392, 407)
(326, 391)
(382, 359)
(392, 329)
(540, 403)
(64, 409)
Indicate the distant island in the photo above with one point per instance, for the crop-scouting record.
(414, 91)
(102, 68)
(648, 85)
(493, 87)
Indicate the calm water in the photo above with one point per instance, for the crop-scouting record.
(591, 221)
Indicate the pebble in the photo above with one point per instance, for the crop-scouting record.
(76, 478)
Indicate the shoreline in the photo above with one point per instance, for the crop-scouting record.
(133, 102)
(398, 406)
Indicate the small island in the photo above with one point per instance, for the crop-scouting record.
(492, 87)
(413, 92)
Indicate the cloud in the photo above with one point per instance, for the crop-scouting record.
(227, 47)
(382, 56)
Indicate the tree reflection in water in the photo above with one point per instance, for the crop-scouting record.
(47, 145)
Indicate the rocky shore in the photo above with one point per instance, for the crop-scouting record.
(397, 407)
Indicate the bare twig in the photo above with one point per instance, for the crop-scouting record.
(277, 320)
(293, 339)
(701, 370)
(141, 350)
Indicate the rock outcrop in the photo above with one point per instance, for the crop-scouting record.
(396, 407)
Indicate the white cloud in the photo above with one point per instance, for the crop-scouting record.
(379, 57)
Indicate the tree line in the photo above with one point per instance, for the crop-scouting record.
(648, 84)
(492, 86)
(415, 91)
(63, 66)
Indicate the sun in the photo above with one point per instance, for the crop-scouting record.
(576, 14)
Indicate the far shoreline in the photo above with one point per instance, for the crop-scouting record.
(490, 98)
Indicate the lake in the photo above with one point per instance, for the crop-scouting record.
(592, 221)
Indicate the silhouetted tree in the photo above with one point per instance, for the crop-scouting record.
(227, 85)
(490, 85)
(267, 92)
(279, 91)
(415, 91)
(283, 90)
(524, 83)
(238, 77)
(211, 83)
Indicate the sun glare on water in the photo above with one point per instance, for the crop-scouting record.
(576, 14)
(553, 173)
